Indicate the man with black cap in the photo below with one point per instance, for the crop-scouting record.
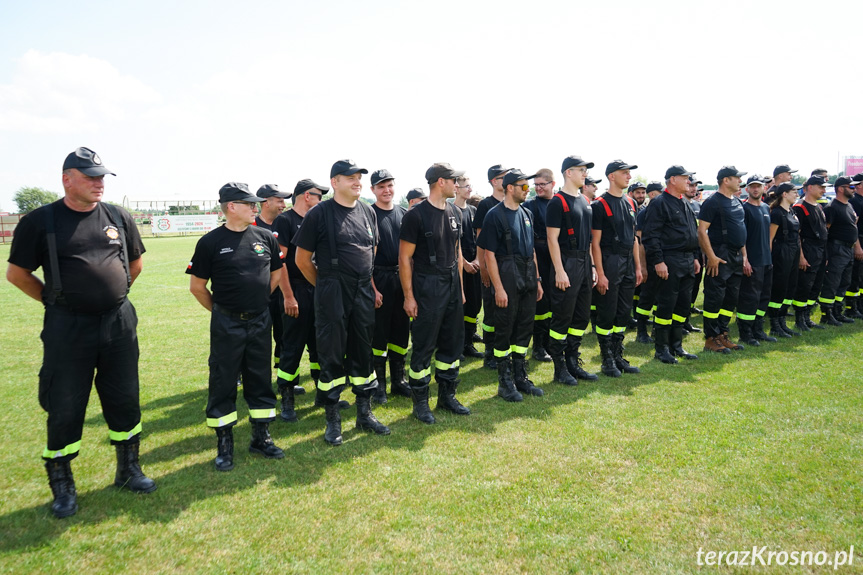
(690, 196)
(543, 183)
(853, 299)
(755, 287)
(271, 207)
(813, 243)
(415, 196)
(671, 244)
(430, 268)
(507, 238)
(243, 265)
(568, 228)
(722, 236)
(90, 253)
(298, 312)
(495, 178)
(588, 190)
(341, 233)
(646, 291)
(781, 174)
(470, 270)
(842, 247)
(618, 271)
(392, 326)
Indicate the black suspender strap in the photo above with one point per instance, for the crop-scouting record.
(56, 294)
(429, 239)
(567, 218)
(117, 219)
(330, 222)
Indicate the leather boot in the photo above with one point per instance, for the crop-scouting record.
(63, 488)
(225, 449)
(811, 324)
(838, 309)
(489, 361)
(776, 327)
(539, 352)
(519, 376)
(333, 433)
(661, 337)
(758, 330)
(287, 393)
(744, 329)
(398, 381)
(573, 360)
(446, 397)
(561, 372)
(689, 328)
(800, 320)
(420, 397)
(851, 310)
(726, 341)
(262, 443)
(129, 474)
(617, 350)
(606, 352)
(714, 343)
(366, 420)
(827, 316)
(859, 301)
(380, 392)
(505, 384)
(784, 325)
(641, 335)
(675, 343)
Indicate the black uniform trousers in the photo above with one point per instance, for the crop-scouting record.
(570, 308)
(647, 296)
(392, 325)
(297, 334)
(513, 324)
(277, 310)
(810, 280)
(543, 306)
(856, 287)
(613, 308)
(840, 261)
(786, 262)
(439, 324)
(75, 346)
(755, 293)
(472, 302)
(721, 291)
(699, 278)
(673, 296)
(487, 323)
(344, 325)
(240, 343)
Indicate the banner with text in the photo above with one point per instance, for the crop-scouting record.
(184, 224)
(853, 165)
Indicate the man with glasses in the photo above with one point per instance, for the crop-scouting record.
(843, 246)
(470, 271)
(543, 183)
(243, 265)
(813, 241)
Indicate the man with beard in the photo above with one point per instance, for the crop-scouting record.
(647, 291)
(813, 241)
(543, 183)
(843, 247)
(470, 272)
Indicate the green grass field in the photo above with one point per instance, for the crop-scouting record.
(632, 475)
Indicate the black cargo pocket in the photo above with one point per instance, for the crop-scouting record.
(46, 378)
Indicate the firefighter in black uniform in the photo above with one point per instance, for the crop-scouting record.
(842, 247)
(430, 268)
(298, 312)
(243, 264)
(470, 271)
(495, 178)
(722, 236)
(670, 241)
(755, 287)
(853, 300)
(618, 271)
(507, 238)
(342, 234)
(785, 251)
(813, 241)
(543, 183)
(644, 306)
(91, 253)
(568, 223)
(392, 326)
(271, 207)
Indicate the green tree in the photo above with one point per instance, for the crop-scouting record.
(28, 199)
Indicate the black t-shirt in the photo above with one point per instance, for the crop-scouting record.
(856, 202)
(669, 225)
(285, 227)
(615, 217)
(733, 225)
(389, 225)
(579, 215)
(355, 231)
(538, 207)
(813, 224)
(757, 220)
(88, 250)
(493, 234)
(262, 224)
(640, 216)
(482, 209)
(789, 226)
(468, 239)
(842, 220)
(238, 265)
(445, 226)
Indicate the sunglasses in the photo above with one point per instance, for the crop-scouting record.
(524, 187)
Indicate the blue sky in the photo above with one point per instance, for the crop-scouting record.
(179, 98)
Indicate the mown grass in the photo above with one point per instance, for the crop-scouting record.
(631, 475)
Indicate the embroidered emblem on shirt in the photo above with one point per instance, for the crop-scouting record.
(258, 247)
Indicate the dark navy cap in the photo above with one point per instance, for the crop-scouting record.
(379, 176)
(755, 179)
(655, 187)
(87, 162)
(306, 184)
(781, 169)
(677, 170)
(515, 175)
(615, 165)
(237, 192)
(785, 187)
(634, 186)
(416, 193)
(844, 181)
(442, 170)
(346, 168)
(817, 181)
(588, 181)
(574, 162)
(272, 191)
(495, 171)
(728, 172)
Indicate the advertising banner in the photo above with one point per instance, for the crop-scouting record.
(853, 165)
(183, 224)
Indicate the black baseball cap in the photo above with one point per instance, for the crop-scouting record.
(87, 162)
(729, 172)
(495, 171)
(755, 179)
(858, 177)
(816, 181)
(515, 175)
(574, 162)
(416, 193)
(694, 180)
(346, 168)
(379, 176)
(785, 187)
(588, 181)
(677, 170)
(615, 165)
(237, 192)
(844, 181)
(635, 186)
(782, 168)
(655, 187)
(442, 170)
(272, 191)
(306, 184)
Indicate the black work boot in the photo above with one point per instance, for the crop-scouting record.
(539, 352)
(827, 316)
(661, 351)
(758, 330)
(333, 433)
(617, 350)
(838, 309)
(606, 352)
(489, 361)
(573, 360)
(398, 381)
(809, 323)
(380, 392)
(641, 335)
(505, 384)
(129, 474)
(519, 376)
(469, 349)
(262, 443)
(225, 449)
(688, 327)
(776, 327)
(800, 320)
(63, 488)
(365, 418)
(420, 397)
(561, 372)
(744, 328)
(675, 343)
(446, 397)
(287, 393)
(851, 307)
(784, 325)
(320, 400)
